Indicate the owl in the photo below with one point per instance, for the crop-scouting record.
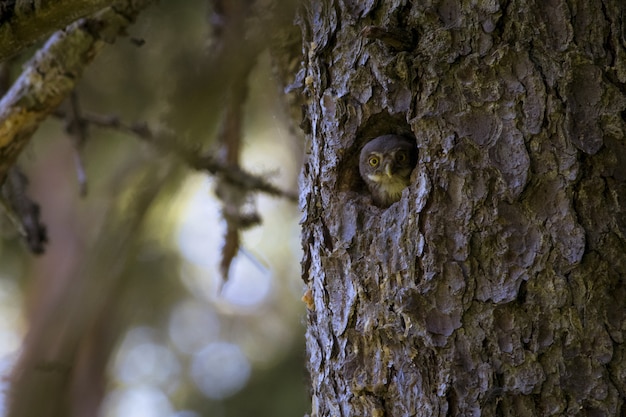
(385, 165)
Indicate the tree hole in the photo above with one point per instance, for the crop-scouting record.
(377, 125)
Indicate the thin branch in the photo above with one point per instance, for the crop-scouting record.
(76, 127)
(167, 142)
(238, 176)
(52, 74)
(23, 211)
(229, 31)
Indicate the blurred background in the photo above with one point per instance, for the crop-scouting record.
(171, 336)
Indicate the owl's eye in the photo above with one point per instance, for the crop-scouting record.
(373, 161)
(401, 157)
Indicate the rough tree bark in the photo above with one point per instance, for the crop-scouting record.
(496, 285)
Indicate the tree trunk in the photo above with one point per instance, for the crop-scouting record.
(496, 285)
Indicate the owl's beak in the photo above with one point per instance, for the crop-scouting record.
(388, 170)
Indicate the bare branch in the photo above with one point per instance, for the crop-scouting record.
(23, 211)
(237, 203)
(237, 176)
(76, 127)
(167, 142)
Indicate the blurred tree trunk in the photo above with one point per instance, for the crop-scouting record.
(496, 286)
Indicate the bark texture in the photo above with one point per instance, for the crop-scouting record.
(496, 286)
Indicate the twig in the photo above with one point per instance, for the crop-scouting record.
(234, 199)
(238, 176)
(23, 211)
(76, 127)
(167, 142)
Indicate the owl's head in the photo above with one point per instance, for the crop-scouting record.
(385, 165)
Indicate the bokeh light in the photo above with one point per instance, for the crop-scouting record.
(220, 369)
(141, 360)
(144, 401)
(192, 326)
(11, 322)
